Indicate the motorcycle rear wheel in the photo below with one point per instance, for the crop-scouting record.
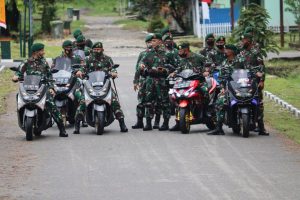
(184, 121)
(29, 128)
(99, 123)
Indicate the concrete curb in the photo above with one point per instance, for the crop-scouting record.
(285, 105)
(2, 67)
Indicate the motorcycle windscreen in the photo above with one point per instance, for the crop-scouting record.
(80, 53)
(241, 81)
(32, 82)
(63, 63)
(97, 79)
(62, 77)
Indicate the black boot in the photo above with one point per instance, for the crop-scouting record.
(122, 125)
(148, 126)
(84, 124)
(175, 127)
(62, 131)
(77, 127)
(217, 131)
(139, 124)
(261, 127)
(165, 125)
(156, 122)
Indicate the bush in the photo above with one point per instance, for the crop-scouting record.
(155, 24)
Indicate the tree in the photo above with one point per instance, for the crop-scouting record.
(293, 6)
(258, 18)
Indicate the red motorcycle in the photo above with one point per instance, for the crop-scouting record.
(191, 108)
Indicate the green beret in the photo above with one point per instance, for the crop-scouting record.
(165, 30)
(167, 37)
(184, 45)
(210, 35)
(247, 35)
(232, 47)
(76, 33)
(67, 43)
(221, 39)
(249, 29)
(149, 37)
(37, 47)
(97, 45)
(157, 36)
(80, 39)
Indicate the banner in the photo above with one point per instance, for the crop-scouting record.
(2, 14)
(205, 10)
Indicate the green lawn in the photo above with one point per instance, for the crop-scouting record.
(6, 87)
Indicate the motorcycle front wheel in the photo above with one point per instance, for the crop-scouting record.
(99, 122)
(246, 125)
(184, 120)
(29, 128)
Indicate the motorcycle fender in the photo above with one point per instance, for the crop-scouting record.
(41, 104)
(183, 103)
(244, 110)
(20, 102)
(99, 107)
(87, 98)
(30, 113)
(108, 97)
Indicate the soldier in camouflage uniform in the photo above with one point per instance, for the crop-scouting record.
(225, 72)
(153, 68)
(98, 61)
(253, 60)
(80, 47)
(37, 65)
(139, 84)
(190, 60)
(220, 56)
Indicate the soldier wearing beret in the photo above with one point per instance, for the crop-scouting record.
(80, 47)
(98, 61)
(252, 59)
(210, 46)
(37, 65)
(139, 84)
(190, 60)
(220, 56)
(226, 70)
(152, 67)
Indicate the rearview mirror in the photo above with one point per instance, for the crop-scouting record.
(115, 66)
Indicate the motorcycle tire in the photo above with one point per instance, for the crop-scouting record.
(99, 122)
(246, 125)
(37, 133)
(184, 121)
(29, 128)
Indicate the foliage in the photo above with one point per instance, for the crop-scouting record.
(293, 6)
(155, 24)
(6, 87)
(178, 11)
(258, 18)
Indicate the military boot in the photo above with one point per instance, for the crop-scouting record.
(62, 130)
(175, 127)
(148, 126)
(261, 127)
(165, 125)
(122, 125)
(77, 127)
(156, 122)
(139, 124)
(217, 131)
(84, 124)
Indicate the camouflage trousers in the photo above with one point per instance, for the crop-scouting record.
(116, 107)
(157, 98)
(220, 107)
(52, 109)
(261, 105)
(140, 108)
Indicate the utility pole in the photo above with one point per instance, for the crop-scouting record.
(232, 14)
(281, 24)
(30, 40)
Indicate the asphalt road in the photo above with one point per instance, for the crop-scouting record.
(146, 165)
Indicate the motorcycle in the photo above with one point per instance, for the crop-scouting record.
(242, 111)
(190, 101)
(65, 85)
(31, 105)
(98, 98)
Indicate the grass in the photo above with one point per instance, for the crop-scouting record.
(130, 24)
(6, 87)
(282, 121)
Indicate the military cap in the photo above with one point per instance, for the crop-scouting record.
(149, 37)
(37, 47)
(76, 33)
(184, 45)
(210, 35)
(167, 37)
(97, 45)
(232, 47)
(249, 29)
(247, 35)
(67, 43)
(165, 30)
(80, 39)
(157, 36)
(221, 39)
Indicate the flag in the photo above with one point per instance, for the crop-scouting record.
(2, 14)
(206, 1)
(205, 10)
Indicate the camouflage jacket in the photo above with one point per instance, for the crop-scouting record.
(208, 51)
(252, 60)
(33, 66)
(75, 61)
(194, 61)
(137, 75)
(101, 63)
(227, 68)
(219, 58)
(173, 57)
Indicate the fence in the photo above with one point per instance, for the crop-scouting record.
(225, 29)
